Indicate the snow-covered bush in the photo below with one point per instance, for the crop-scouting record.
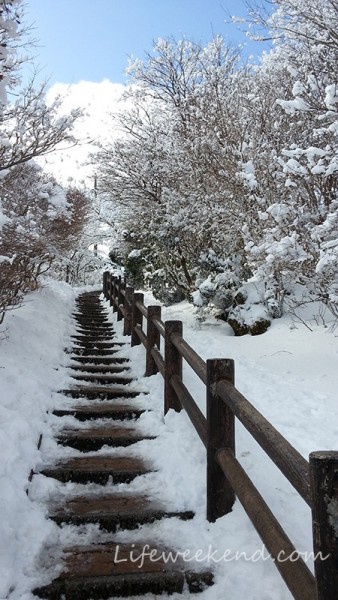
(133, 265)
(249, 312)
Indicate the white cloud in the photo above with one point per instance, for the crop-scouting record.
(98, 102)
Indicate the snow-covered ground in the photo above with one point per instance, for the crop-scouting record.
(289, 374)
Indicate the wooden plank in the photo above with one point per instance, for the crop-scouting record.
(114, 570)
(95, 392)
(97, 469)
(193, 359)
(101, 410)
(112, 511)
(141, 335)
(158, 358)
(288, 460)
(160, 326)
(143, 309)
(291, 566)
(95, 437)
(188, 403)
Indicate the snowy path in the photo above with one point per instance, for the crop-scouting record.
(100, 419)
(289, 374)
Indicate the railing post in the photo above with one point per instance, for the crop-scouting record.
(128, 302)
(105, 284)
(111, 291)
(153, 339)
(324, 487)
(220, 434)
(136, 318)
(173, 365)
(120, 298)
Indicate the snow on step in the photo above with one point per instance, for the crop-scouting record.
(110, 570)
(112, 511)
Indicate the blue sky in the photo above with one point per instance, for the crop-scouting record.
(91, 40)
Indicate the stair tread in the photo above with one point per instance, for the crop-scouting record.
(97, 469)
(99, 359)
(111, 570)
(113, 505)
(103, 378)
(103, 431)
(101, 336)
(94, 438)
(108, 411)
(100, 368)
(99, 391)
(92, 352)
(98, 462)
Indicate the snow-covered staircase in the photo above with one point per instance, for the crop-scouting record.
(104, 399)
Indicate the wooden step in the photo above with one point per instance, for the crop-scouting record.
(87, 316)
(117, 411)
(95, 352)
(89, 309)
(104, 379)
(92, 322)
(114, 344)
(99, 360)
(93, 337)
(97, 330)
(115, 570)
(93, 438)
(97, 469)
(97, 344)
(112, 511)
(93, 392)
(88, 301)
(101, 368)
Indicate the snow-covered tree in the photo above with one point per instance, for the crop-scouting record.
(299, 242)
(227, 175)
(36, 220)
(173, 163)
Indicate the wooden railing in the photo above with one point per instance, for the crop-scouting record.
(315, 480)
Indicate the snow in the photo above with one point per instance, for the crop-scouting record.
(3, 219)
(289, 374)
(97, 101)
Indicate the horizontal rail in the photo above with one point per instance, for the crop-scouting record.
(188, 403)
(286, 457)
(140, 333)
(295, 573)
(159, 326)
(192, 358)
(158, 358)
(143, 309)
